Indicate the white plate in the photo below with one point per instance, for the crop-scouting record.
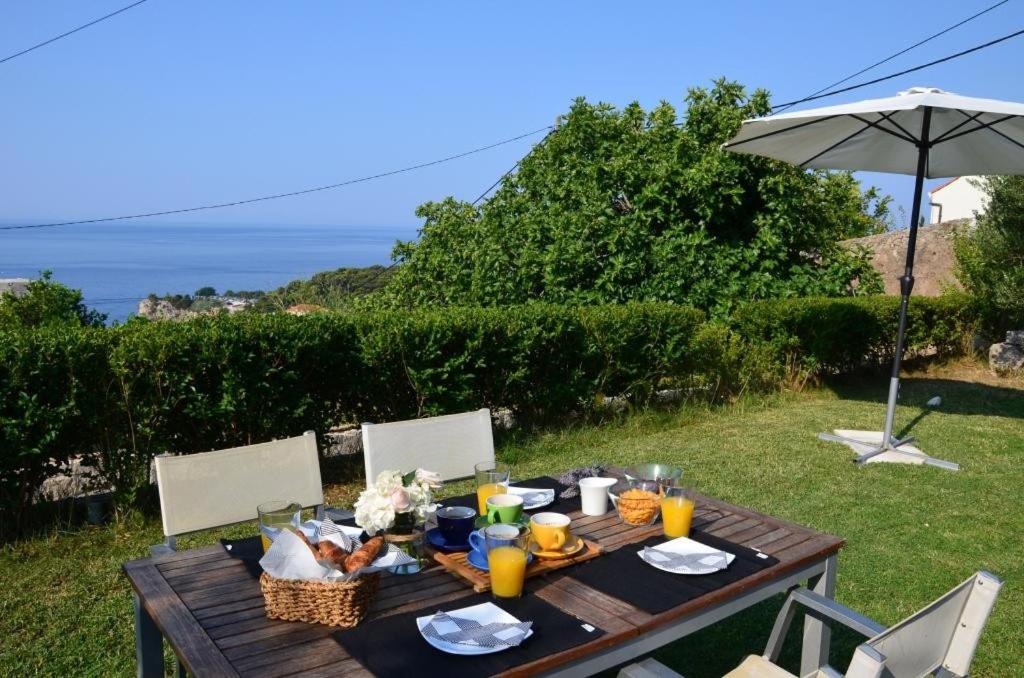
(538, 502)
(484, 613)
(686, 546)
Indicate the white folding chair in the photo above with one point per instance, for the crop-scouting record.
(449, 445)
(212, 489)
(939, 640)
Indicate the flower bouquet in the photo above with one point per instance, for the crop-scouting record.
(397, 504)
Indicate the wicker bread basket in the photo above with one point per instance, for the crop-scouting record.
(342, 603)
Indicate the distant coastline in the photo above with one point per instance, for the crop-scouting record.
(117, 265)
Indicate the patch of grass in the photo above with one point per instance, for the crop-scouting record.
(912, 532)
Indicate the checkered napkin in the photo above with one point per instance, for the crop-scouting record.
(449, 629)
(683, 562)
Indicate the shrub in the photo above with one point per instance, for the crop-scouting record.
(54, 384)
(819, 335)
(990, 259)
(47, 303)
(122, 395)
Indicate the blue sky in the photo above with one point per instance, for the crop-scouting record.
(184, 102)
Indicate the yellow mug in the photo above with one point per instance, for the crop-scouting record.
(550, 530)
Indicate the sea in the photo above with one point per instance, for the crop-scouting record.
(118, 264)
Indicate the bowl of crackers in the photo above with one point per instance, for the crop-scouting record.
(637, 501)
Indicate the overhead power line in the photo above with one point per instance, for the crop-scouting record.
(72, 31)
(782, 107)
(366, 285)
(944, 59)
(289, 194)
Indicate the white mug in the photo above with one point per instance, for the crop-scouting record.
(594, 495)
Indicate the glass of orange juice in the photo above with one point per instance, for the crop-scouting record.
(491, 479)
(506, 558)
(677, 509)
(275, 516)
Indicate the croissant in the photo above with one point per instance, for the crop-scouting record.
(328, 550)
(364, 555)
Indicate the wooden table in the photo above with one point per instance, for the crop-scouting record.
(211, 611)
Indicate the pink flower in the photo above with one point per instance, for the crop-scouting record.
(400, 499)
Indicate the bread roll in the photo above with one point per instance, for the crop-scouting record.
(364, 555)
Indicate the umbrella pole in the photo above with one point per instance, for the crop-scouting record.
(906, 287)
(858, 440)
(889, 443)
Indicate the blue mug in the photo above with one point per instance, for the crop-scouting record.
(455, 523)
(478, 542)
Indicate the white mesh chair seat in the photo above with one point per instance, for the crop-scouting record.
(211, 489)
(449, 445)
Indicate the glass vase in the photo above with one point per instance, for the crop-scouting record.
(407, 536)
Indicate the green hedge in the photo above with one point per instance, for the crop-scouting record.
(839, 335)
(123, 395)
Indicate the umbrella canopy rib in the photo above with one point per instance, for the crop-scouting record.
(981, 126)
(888, 117)
(834, 146)
(949, 132)
(780, 131)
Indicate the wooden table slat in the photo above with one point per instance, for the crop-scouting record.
(242, 603)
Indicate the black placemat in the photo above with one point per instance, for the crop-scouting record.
(393, 646)
(249, 550)
(623, 575)
(543, 483)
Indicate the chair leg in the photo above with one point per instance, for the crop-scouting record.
(817, 635)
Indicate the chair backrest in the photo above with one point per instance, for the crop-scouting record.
(941, 637)
(450, 445)
(210, 489)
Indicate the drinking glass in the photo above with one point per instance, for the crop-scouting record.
(507, 546)
(677, 509)
(491, 479)
(275, 516)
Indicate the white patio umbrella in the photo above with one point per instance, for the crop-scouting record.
(923, 131)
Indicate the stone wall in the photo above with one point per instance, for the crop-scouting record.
(933, 264)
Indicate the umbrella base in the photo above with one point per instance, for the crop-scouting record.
(870, 449)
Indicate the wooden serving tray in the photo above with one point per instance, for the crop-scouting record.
(456, 564)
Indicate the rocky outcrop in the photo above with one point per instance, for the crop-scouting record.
(934, 261)
(161, 309)
(304, 309)
(1007, 356)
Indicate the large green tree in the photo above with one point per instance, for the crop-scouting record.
(990, 258)
(619, 205)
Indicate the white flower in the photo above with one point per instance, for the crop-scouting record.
(376, 507)
(388, 482)
(374, 512)
(428, 478)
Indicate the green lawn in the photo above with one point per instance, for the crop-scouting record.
(912, 532)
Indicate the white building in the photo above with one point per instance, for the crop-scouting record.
(958, 198)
